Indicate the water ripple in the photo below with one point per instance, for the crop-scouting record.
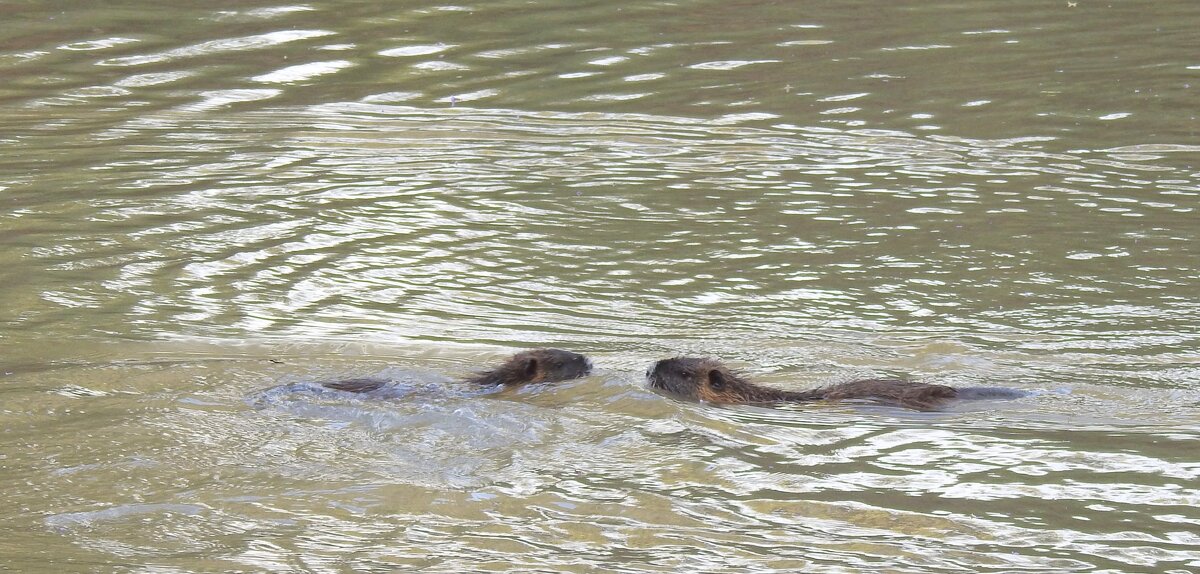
(217, 46)
(278, 195)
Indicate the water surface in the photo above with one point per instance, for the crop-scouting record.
(208, 208)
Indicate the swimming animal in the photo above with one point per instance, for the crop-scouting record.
(534, 366)
(708, 380)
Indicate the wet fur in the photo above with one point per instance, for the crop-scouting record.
(708, 380)
(535, 366)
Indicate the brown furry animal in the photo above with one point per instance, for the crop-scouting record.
(535, 366)
(708, 380)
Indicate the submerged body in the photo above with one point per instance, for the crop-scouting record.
(708, 380)
(534, 366)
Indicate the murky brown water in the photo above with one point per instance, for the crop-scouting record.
(204, 208)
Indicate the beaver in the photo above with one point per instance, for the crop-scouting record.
(533, 366)
(706, 379)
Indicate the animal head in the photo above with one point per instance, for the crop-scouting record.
(700, 379)
(537, 366)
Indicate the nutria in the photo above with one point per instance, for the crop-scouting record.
(708, 380)
(536, 366)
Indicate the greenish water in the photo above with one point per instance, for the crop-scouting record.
(202, 205)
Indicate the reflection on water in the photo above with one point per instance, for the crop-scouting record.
(208, 210)
(467, 224)
(206, 465)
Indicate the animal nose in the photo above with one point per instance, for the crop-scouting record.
(653, 368)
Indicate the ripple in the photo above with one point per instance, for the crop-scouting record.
(257, 41)
(728, 64)
(90, 519)
(101, 44)
(302, 72)
(202, 224)
(417, 50)
(608, 60)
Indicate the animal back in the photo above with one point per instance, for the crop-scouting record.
(922, 396)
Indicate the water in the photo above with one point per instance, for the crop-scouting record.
(205, 209)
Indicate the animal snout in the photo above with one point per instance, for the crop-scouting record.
(654, 369)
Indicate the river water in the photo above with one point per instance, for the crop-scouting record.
(206, 207)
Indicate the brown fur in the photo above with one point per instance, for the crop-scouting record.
(536, 366)
(708, 380)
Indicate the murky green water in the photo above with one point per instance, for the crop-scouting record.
(200, 203)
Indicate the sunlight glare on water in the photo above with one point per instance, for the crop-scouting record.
(208, 211)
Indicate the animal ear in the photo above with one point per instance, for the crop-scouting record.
(716, 379)
(531, 367)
